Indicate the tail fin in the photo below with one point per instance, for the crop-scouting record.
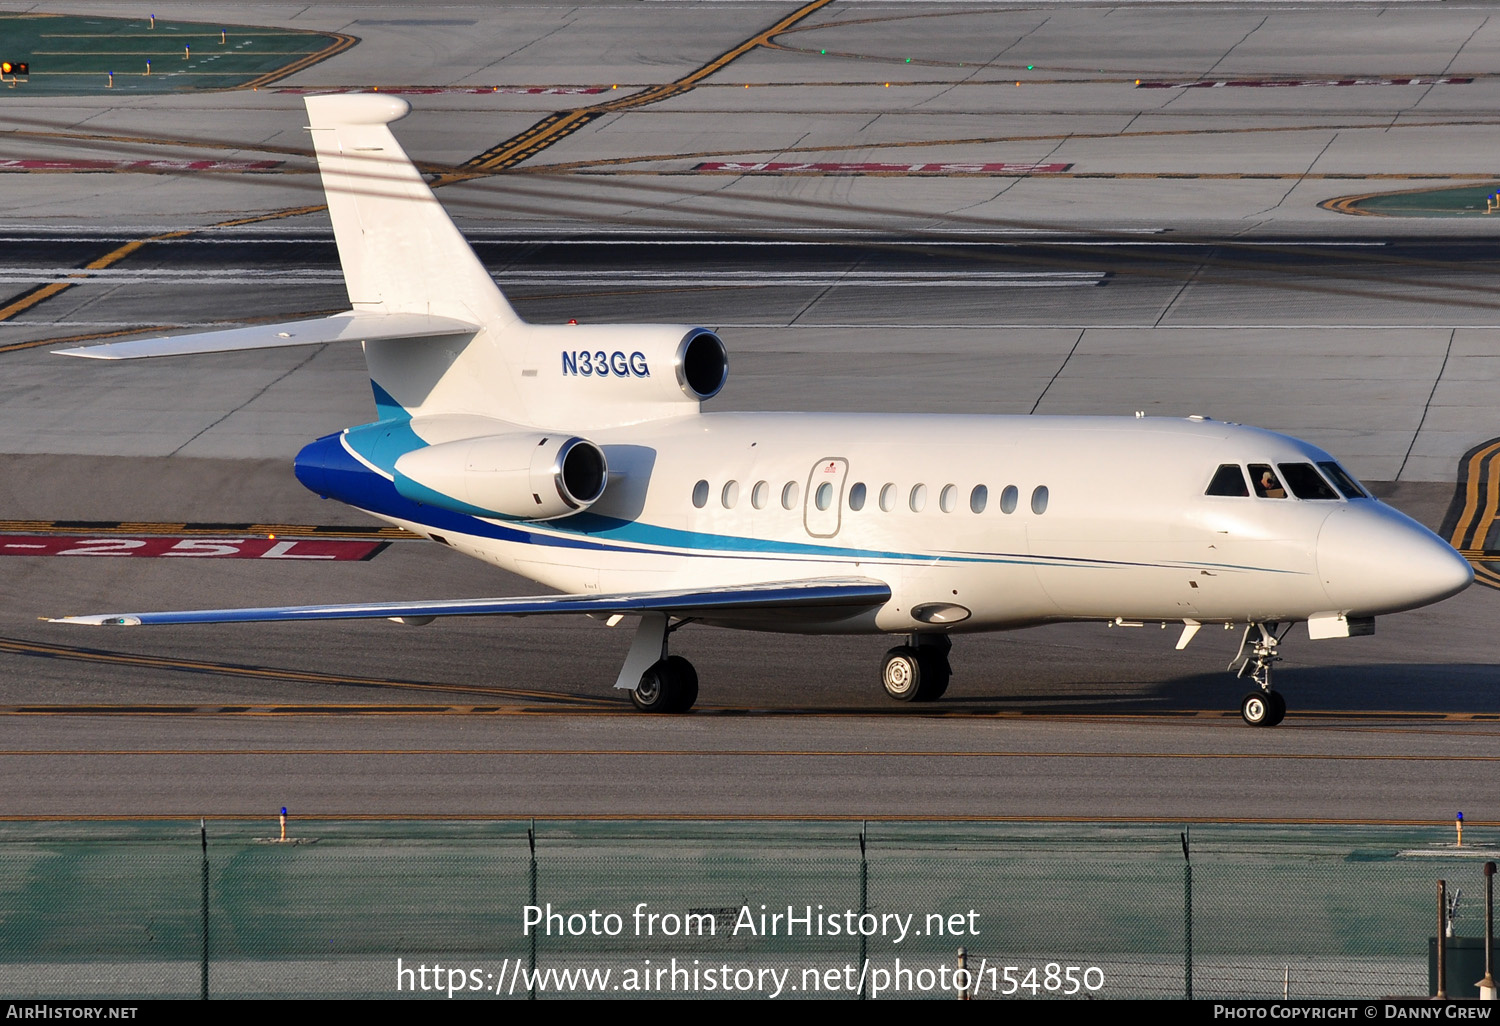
(439, 338)
(402, 254)
(399, 250)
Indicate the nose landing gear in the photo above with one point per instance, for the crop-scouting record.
(1262, 707)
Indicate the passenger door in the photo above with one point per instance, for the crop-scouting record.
(825, 497)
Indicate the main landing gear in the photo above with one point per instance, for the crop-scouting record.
(1262, 707)
(669, 686)
(917, 671)
(658, 682)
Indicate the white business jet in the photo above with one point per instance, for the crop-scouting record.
(579, 456)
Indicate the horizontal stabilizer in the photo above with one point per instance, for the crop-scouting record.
(347, 327)
(823, 592)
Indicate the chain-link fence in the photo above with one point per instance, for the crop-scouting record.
(708, 909)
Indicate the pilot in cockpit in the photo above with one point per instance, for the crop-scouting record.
(1266, 485)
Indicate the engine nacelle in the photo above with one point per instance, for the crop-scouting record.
(521, 476)
(609, 374)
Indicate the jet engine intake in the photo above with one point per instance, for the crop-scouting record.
(702, 364)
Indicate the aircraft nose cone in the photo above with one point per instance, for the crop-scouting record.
(1373, 559)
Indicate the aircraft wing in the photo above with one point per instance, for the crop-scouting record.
(846, 594)
(345, 327)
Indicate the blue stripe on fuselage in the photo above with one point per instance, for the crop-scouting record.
(329, 468)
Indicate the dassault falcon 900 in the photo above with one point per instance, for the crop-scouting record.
(579, 456)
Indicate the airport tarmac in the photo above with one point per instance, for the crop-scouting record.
(1115, 285)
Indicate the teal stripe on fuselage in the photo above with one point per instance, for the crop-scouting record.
(384, 442)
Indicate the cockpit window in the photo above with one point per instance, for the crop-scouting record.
(1306, 482)
(1266, 484)
(1344, 480)
(1229, 479)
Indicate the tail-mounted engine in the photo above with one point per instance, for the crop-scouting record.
(514, 476)
(592, 376)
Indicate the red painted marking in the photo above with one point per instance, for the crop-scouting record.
(189, 548)
(462, 90)
(752, 167)
(1283, 83)
(138, 165)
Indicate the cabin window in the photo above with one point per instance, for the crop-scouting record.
(1039, 500)
(918, 498)
(1008, 499)
(1229, 479)
(979, 498)
(789, 495)
(760, 495)
(700, 494)
(1305, 482)
(730, 495)
(888, 498)
(857, 496)
(1344, 480)
(823, 497)
(948, 498)
(1267, 485)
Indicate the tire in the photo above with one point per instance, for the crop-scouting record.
(935, 675)
(901, 674)
(686, 683)
(668, 686)
(1278, 708)
(1257, 709)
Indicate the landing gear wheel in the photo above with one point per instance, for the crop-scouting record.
(669, 686)
(1278, 708)
(1258, 709)
(902, 674)
(914, 675)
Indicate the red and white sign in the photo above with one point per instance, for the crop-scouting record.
(189, 548)
(461, 90)
(772, 167)
(138, 165)
(1284, 83)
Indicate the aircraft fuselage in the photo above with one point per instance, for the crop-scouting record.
(975, 522)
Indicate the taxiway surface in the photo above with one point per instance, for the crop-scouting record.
(1118, 284)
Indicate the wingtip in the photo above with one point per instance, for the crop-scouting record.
(106, 620)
